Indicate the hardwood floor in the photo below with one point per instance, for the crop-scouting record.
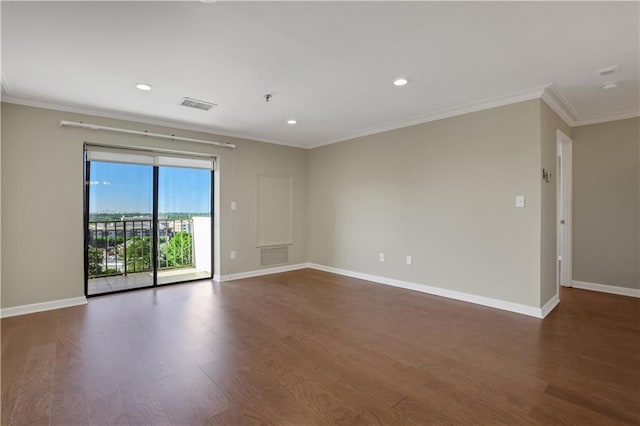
(309, 347)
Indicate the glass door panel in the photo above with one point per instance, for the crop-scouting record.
(120, 227)
(184, 224)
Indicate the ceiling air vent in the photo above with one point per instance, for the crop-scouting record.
(194, 103)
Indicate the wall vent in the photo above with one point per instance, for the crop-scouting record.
(270, 256)
(194, 103)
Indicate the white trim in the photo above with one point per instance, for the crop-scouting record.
(562, 136)
(605, 288)
(561, 105)
(564, 146)
(550, 305)
(43, 306)
(451, 294)
(622, 115)
(512, 98)
(260, 272)
(136, 118)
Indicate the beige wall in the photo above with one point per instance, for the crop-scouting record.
(606, 212)
(42, 185)
(443, 192)
(1, 206)
(550, 122)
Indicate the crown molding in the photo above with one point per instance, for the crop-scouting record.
(549, 93)
(561, 105)
(97, 112)
(565, 110)
(622, 115)
(512, 98)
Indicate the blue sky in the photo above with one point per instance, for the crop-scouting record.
(128, 188)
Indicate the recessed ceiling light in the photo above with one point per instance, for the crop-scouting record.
(143, 86)
(400, 82)
(610, 85)
(291, 121)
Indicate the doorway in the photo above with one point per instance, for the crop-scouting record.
(147, 219)
(564, 206)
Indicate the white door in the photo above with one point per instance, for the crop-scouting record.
(564, 216)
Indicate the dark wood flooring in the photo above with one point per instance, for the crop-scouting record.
(308, 347)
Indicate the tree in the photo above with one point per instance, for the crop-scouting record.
(138, 254)
(179, 250)
(96, 257)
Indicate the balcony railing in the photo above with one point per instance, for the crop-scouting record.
(122, 247)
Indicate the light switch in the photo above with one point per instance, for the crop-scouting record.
(520, 201)
(233, 205)
(409, 260)
(233, 254)
(381, 257)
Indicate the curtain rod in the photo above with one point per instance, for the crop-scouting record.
(89, 145)
(142, 133)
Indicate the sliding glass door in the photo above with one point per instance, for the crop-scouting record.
(184, 224)
(147, 220)
(120, 227)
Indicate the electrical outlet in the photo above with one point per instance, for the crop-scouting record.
(381, 257)
(233, 254)
(409, 260)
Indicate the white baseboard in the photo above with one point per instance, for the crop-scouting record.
(604, 288)
(40, 307)
(259, 272)
(451, 294)
(548, 307)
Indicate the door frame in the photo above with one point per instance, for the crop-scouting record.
(564, 217)
(214, 208)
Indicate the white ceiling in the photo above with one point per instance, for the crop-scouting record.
(329, 65)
